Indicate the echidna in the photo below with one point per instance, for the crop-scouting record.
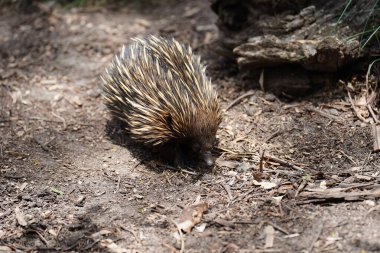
(159, 88)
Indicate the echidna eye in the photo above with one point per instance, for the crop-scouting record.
(196, 147)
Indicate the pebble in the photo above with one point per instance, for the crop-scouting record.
(334, 112)
(243, 167)
(253, 99)
(95, 93)
(270, 97)
(251, 111)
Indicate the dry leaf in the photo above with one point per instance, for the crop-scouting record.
(53, 232)
(99, 234)
(265, 184)
(201, 228)
(277, 200)
(191, 216)
(20, 217)
(22, 186)
(5, 249)
(362, 101)
(112, 247)
(323, 185)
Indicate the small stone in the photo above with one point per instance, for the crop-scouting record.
(253, 99)
(251, 111)
(334, 112)
(270, 97)
(94, 93)
(243, 167)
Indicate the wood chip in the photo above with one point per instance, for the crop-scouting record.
(269, 236)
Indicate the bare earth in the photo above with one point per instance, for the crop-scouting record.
(66, 172)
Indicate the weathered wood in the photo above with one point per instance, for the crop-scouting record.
(376, 137)
(327, 54)
(306, 35)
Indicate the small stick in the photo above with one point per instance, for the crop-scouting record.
(228, 190)
(348, 157)
(315, 239)
(61, 118)
(269, 223)
(181, 236)
(272, 136)
(40, 236)
(132, 232)
(118, 185)
(176, 169)
(43, 119)
(301, 187)
(372, 113)
(241, 197)
(227, 150)
(283, 162)
(327, 115)
(356, 110)
(140, 162)
(278, 227)
(238, 99)
(261, 161)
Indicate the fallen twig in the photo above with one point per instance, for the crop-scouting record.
(178, 169)
(62, 119)
(356, 109)
(335, 194)
(261, 161)
(132, 232)
(228, 190)
(39, 235)
(348, 157)
(301, 187)
(273, 135)
(118, 185)
(369, 107)
(238, 99)
(242, 196)
(180, 235)
(283, 162)
(318, 234)
(326, 115)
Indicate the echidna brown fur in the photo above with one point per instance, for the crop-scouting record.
(159, 88)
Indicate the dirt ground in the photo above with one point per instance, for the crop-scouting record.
(68, 181)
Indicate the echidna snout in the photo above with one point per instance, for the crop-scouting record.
(203, 135)
(208, 158)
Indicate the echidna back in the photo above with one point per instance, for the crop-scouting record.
(157, 87)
